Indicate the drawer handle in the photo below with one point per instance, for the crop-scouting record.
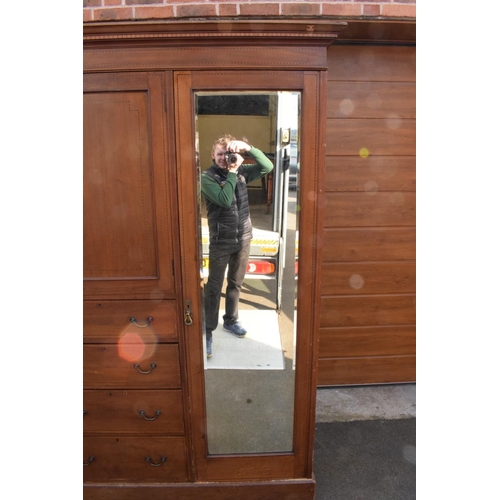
(142, 413)
(133, 320)
(91, 459)
(138, 368)
(163, 459)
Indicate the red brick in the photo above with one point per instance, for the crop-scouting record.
(341, 10)
(300, 9)
(112, 14)
(228, 9)
(197, 10)
(163, 12)
(142, 2)
(112, 2)
(87, 15)
(92, 3)
(394, 10)
(371, 10)
(259, 9)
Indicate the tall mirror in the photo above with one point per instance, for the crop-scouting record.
(250, 379)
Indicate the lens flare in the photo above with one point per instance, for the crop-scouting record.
(137, 343)
(364, 153)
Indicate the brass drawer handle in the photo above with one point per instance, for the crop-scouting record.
(137, 367)
(163, 459)
(142, 413)
(91, 459)
(133, 320)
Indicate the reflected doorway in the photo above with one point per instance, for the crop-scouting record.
(249, 382)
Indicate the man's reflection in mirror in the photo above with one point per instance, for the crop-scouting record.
(224, 188)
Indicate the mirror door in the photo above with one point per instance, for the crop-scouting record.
(251, 400)
(249, 379)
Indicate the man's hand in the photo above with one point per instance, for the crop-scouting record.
(238, 146)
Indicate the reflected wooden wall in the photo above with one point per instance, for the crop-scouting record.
(367, 329)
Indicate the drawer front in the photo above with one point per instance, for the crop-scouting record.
(123, 459)
(130, 321)
(118, 411)
(124, 366)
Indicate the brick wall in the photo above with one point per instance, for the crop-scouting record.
(120, 10)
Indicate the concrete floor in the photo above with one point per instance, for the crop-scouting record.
(365, 443)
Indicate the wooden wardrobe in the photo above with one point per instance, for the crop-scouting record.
(143, 400)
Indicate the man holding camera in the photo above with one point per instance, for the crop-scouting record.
(224, 187)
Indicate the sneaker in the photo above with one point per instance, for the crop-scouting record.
(209, 348)
(235, 329)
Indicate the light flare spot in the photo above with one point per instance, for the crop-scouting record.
(371, 187)
(346, 106)
(393, 121)
(364, 153)
(131, 347)
(397, 199)
(311, 196)
(137, 343)
(356, 281)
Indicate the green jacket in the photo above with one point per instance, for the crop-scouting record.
(223, 194)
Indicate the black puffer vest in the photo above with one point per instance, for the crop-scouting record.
(229, 225)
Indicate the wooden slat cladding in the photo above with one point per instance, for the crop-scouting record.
(377, 136)
(369, 175)
(371, 100)
(369, 243)
(367, 370)
(371, 63)
(367, 332)
(387, 340)
(363, 209)
(365, 278)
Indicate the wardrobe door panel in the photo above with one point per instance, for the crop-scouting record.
(127, 213)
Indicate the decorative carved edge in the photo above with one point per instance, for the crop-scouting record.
(246, 34)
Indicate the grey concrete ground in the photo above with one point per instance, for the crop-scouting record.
(365, 443)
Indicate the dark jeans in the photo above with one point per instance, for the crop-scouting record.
(220, 256)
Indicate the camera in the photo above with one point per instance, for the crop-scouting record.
(231, 157)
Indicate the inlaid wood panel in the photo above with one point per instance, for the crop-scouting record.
(129, 217)
(387, 340)
(120, 366)
(367, 278)
(369, 244)
(129, 321)
(123, 459)
(143, 411)
(371, 174)
(362, 371)
(370, 209)
(118, 214)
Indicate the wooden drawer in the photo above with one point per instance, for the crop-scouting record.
(110, 321)
(120, 365)
(118, 411)
(123, 459)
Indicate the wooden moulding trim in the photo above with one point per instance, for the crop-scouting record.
(305, 27)
(300, 489)
(252, 34)
(204, 57)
